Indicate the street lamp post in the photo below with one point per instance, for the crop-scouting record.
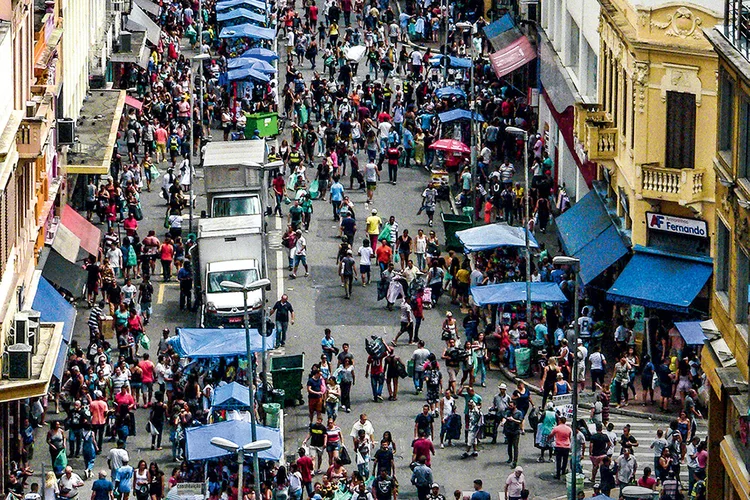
(525, 134)
(200, 58)
(575, 458)
(245, 289)
(253, 447)
(463, 26)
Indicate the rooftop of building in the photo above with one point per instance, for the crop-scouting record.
(96, 129)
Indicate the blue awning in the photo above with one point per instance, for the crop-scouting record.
(230, 4)
(198, 440)
(661, 280)
(248, 31)
(214, 342)
(247, 72)
(251, 62)
(459, 114)
(494, 236)
(588, 233)
(506, 293)
(691, 331)
(449, 91)
(502, 32)
(261, 53)
(232, 396)
(500, 26)
(239, 13)
(55, 309)
(453, 62)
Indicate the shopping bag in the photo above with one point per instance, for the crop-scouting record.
(344, 456)
(145, 342)
(410, 368)
(314, 190)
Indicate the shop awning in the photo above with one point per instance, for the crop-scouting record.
(149, 6)
(512, 57)
(68, 244)
(260, 65)
(215, 342)
(62, 273)
(449, 91)
(502, 32)
(242, 73)
(691, 331)
(228, 15)
(453, 61)
(231, 4)
(139, 21)
(459, 114)
(506, 293)
(198, 440)
(55, 309)
(97, 133)
(232, 396)
(133, 102)
(588, 233)
(89, 234)
(494, 236)
(248, 31)
(261, 53)
(661, 280)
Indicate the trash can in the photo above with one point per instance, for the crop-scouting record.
(452, 224)
(468, 212)
(286, 374)
(266, 123)
(523, 361)
(580, 478)
(272, 411)
(639, 493)
(277, 396)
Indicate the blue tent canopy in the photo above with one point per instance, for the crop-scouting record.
(238, 13)
(233, 396)
(500, 26)
(449, 91)
(505, 293)
(251, 62)
(691, 332)
(230, 4)
(261, 53)
(493, 236)
(248, 31)
(247, 72)
(661, 280)
(459, 114)
(55, 309)
(214, 342)
(453, 62)
(198, 440)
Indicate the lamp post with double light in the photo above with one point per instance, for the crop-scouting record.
(199, 58)
(253, 447)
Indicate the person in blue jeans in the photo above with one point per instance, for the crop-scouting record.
(376, 372)
(337, 196)
(419, 358)
(284, 313)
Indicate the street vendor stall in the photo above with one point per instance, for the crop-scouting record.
(198, 440)
(493, 236)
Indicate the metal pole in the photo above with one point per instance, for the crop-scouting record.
(445, 46)
(473, 191)
(241, 473)
(191, 124)
(575, 459)
(251, 391)
(526, 229)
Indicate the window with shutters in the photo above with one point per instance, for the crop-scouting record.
(680, 140)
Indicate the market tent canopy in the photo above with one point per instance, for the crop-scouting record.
(133, 102)
(232, 396)
(493, 236)
(502, 32)
(459, 114)
(214, 342)
(661, 280)
(230, 4)
(251, 62)
(261, 53)
(453, 62)
(248, 31)
(512, 57)
(62, 273)
(55, 309)
(240, 13)
(198, 440)
(449, 91)
(587, 233)
(691, 331)
(506, 293)
(89, 234)
(247, 72)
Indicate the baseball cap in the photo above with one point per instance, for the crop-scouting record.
(502, 386)
(519, 469)
(580, 341)
(435, 485)
(449, 313)
(374, 211)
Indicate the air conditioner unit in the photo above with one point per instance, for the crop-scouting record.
(19, 334)
(34, 324)
(126, 41)
(529, 10)
(66, 132)
(19, 361)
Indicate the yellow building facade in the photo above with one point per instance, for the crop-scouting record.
(653, 130)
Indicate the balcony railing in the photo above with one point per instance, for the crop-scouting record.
(683, 186)
(737, 25)
(595, 131)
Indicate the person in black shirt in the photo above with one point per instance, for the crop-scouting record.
(384, 486)
(384, 460)
(424, 422)
(317, 435)
(598, 445)
(284, 311)
(627, 440)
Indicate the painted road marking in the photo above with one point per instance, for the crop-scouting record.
(162, 287)
(280, 268)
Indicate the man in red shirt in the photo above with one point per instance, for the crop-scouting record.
(393, 154)
(305, 465)
(376, 372)
(124, 399)
(313, 14)
(422, 447)
(383, 255)
(278, 190)
(148, 368)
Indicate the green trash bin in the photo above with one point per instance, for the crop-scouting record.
(266, 123)
(286, 374)
(272, 411)
(468, 211)
(523, 361)
(452, 224)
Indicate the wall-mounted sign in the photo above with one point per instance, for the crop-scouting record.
(679, 225)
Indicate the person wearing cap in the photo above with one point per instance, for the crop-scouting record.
(515, 484)
(582, 354)
(499, 406)
(124, 479)
(373, 223)
(300, 255)
(347, 273)
(434, 493)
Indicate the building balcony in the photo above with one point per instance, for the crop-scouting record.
(683, 186)
(596, 132)
(32, 135)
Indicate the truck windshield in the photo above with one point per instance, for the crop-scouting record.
(243, 277)
(229, 207)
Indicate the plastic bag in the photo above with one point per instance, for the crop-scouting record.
(145, 342)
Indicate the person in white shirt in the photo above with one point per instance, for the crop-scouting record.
(419, 357)
(363, 423)
(300, 255)
(582, 354)
(365, 258)
(597, 364)
(69, 483)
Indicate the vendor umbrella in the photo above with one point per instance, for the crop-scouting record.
(261, 53)
(450, 145)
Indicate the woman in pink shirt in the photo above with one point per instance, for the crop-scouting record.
(98, 408)
(166, 254)
(561, 433)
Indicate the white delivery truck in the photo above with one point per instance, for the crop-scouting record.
(229, 249)
(233, 173)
